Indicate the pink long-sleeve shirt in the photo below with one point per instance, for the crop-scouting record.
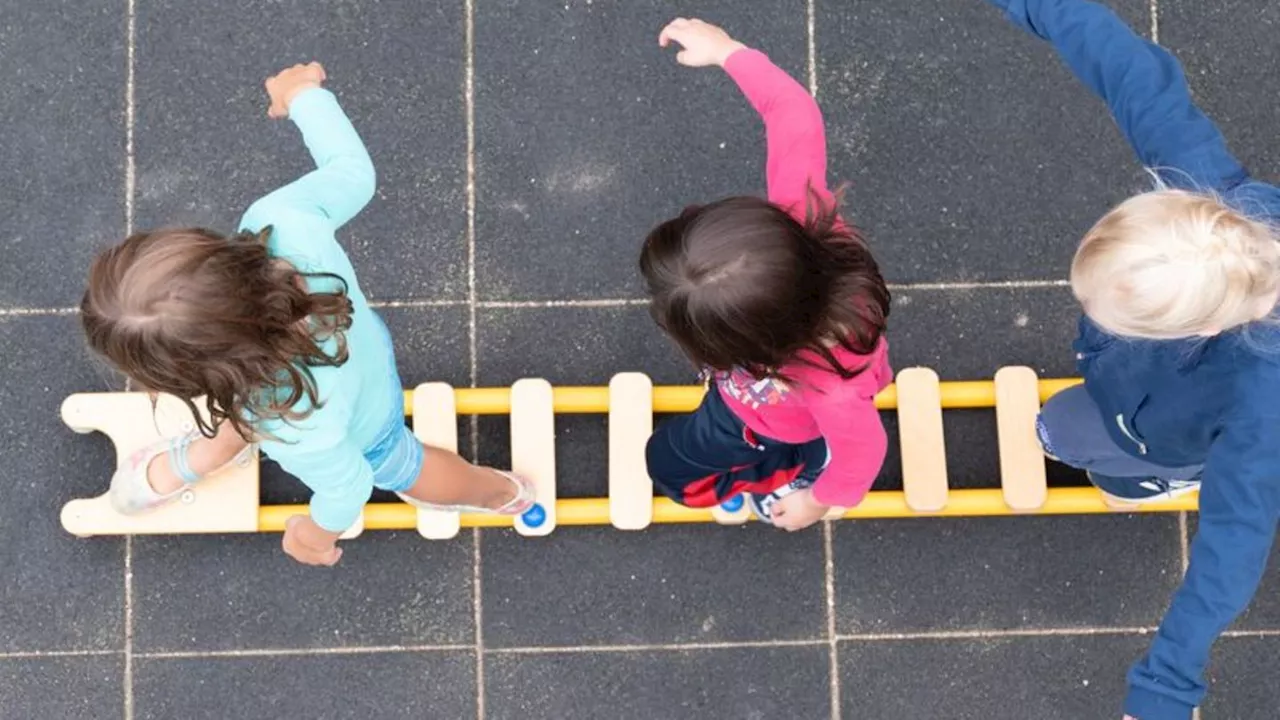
(817, 403)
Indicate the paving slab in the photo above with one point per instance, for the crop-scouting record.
(1229, 53)
(588, 134)
(60, 593)
(194, 593)
(385, 685)
(696, 583)
(63, 157)
(1048, 678)
(206, 150)
(1011, 573)
(66, 688)
(704, 683)
(971, 153)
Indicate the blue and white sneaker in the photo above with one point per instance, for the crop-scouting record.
(762, 503)
(1143, 490)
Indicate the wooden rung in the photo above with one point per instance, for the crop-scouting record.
(435, 423)
(924, 450)
(224, 502)
(738, 516)
(1022, 465)
(533, 451)
(630, 425)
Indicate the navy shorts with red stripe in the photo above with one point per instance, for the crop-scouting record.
(709, 456)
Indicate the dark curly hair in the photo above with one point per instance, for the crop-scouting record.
(194, 313)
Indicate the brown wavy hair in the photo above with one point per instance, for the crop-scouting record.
(193, 313)
(740, 283)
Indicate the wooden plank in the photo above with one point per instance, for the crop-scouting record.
(630, 425)
(435, 423)
(1022, 464)
(924, 450)
(533, 452)
(224, 502)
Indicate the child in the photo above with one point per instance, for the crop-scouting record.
(271, 327)
(1178, 353)
(783, 305)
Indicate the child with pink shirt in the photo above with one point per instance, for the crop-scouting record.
(782, 304)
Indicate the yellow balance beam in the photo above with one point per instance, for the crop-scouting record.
(877, 505)
(574, 400)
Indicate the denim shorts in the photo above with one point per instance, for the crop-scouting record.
(397, 455)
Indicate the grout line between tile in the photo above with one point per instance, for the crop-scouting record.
(474, 303)
(294, 652)
(996, 285)
(1184, 541)
(417, 303)
(130, 187)
(469, 104)
(652, 647)
(995, 634)
(35, 654)
(127, 680)
(36, 312)
(469, 109)
(810, 32)
(601, 303)
(833, 645)
(478, 619)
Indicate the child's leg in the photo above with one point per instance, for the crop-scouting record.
(439, 477)
(447, 479)
(202, 456)
(709, 456)
(1073, 431)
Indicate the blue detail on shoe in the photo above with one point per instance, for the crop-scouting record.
(535, 516)
(1140, 490)
(733, 504)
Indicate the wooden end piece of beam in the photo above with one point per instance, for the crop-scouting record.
(630, 425)
(924, 451)
(435, 423)
(224, 502)
(1022, 465)
(533, 451)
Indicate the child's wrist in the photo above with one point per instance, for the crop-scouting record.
(733, 48)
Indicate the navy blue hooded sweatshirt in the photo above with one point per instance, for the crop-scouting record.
(1213, 400)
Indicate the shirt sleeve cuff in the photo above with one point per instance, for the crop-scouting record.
(334, 519)
(308, 102)
(1144, 704)
(736, 62)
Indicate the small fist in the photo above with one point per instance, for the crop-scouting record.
(287, 84)
(704, 44)
(301, 544)
(798, 511)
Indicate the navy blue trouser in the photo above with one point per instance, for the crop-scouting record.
(1073, 430)
(709, 456)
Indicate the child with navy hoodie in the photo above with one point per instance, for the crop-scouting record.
(1178, 345)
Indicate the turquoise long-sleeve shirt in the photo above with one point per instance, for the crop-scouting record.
(1213, 400)
(326, 449)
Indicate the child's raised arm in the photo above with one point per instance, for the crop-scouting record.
(1142, 84)
(344, 179)
(797, 146)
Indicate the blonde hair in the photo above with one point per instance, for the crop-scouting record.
(1171, 263)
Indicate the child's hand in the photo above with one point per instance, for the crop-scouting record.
(704, 44)
(798, 511)
(310, 544)
(287, 84)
